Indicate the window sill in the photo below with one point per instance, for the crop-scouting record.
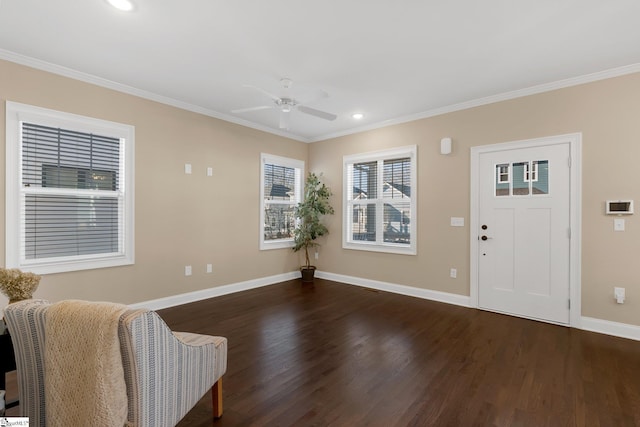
(278, 244)
(375, 247)
(67, 266)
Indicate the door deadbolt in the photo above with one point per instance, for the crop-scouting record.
(484, 227)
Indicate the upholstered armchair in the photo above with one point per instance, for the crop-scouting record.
(165, 373)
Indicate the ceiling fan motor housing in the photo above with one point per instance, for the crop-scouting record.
(286, 104)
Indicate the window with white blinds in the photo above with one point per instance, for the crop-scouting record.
(380, 201)
(280, 193)
(71, 198)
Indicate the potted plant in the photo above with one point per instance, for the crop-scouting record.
(309, 227)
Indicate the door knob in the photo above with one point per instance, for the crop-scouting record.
(485, 237)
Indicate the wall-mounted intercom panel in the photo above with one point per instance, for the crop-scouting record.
(619, 207)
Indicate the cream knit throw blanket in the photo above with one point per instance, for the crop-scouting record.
(84, 381)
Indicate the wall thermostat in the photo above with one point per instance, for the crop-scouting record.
(619, 207)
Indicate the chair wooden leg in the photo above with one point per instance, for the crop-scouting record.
(216, 395)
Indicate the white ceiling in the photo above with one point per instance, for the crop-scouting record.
(391, 60)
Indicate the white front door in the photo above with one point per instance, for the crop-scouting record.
(524, 231)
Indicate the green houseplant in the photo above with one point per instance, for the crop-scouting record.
(309, 226)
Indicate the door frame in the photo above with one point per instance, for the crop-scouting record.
(575, 214)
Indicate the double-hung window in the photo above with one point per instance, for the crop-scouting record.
(380, 201)
(530, 172)
(280, 193)
(69, 191)
(502, 172)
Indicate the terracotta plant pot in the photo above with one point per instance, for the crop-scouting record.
(307, 274)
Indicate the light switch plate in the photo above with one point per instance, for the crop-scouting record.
(457, 221)
(618, 224)
(187, 168)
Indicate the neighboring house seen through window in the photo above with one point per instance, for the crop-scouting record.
(530, 171)
(380, 201)
(529, 178)
(503, 174)
(281, 191)
(69, 191)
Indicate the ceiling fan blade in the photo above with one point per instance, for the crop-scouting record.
(246, 110)
(269, 94)
(285, 117)
(317, 113)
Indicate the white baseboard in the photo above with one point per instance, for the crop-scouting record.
(606, 327)
(411, 291)
(160, 303)
(622, 330)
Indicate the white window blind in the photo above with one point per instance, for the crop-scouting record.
(72, 194)
(69, 194)
(380, 201)
(281, 191)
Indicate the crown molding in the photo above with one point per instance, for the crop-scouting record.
(533, 90)
(130, 90)
(99, 81)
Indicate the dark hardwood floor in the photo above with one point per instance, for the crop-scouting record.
(340, 355)
(331, 354)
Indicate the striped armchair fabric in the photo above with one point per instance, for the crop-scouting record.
(25, 320)
(166, 373)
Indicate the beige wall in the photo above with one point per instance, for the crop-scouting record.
(191, 219)
(180, 219)
(607, 113)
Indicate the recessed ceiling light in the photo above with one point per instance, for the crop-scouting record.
(123, 5)
(357, 116)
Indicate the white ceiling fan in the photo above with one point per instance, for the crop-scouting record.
(287, 103)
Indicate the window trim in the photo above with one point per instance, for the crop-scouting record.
(410, 151)
(286, 162)
(16, 113)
